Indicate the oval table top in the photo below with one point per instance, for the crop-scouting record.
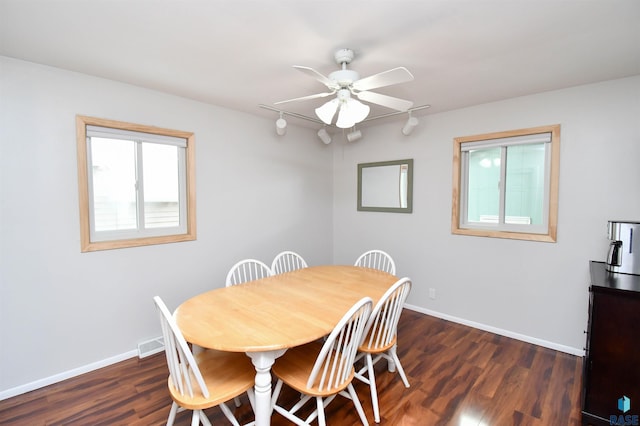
(278, 312)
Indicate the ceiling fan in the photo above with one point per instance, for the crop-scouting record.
(344, 83)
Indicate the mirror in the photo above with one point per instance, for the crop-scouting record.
(386, 186)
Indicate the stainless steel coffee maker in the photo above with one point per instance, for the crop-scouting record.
(624, 250)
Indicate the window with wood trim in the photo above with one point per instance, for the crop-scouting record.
(136, 184)
(505, 184)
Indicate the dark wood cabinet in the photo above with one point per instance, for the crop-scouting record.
(612, 359)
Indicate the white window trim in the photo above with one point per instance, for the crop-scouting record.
(138, 138)
(545, 232)
(92, 241)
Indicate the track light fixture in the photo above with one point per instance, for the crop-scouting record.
(324, 136)
(411, 124)
(281, 126)
(354, 135)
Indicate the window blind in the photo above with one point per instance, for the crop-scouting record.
(510, 141)
(111, 133)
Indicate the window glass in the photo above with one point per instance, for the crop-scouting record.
(483, 196)
(114, 184)
(525, 179)
(161, 201)
(135, 186)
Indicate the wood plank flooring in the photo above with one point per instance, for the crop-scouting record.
(459, 376)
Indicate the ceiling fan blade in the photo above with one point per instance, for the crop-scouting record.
(304, 98)
(386, 78)
(315, 74)
(384, 100)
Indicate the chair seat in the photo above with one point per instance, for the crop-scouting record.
(227, 375)
(377, 349)
(295, 366)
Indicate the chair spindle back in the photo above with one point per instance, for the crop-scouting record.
(334, 365)
(182, 365)
(247, 270)
(287, 261)
(377, 259)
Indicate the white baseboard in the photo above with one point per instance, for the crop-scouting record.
(65, 375)
(501, 332)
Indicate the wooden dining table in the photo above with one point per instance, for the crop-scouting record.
(265, 317)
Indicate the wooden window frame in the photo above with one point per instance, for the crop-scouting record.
(86, 245)
(554, 170)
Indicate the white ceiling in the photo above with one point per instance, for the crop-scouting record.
(239, 53)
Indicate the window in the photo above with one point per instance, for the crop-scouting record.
(505, 184)
(136, 184)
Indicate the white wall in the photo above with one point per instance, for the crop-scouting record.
(258, 194)
(62, 310)
(531, 290)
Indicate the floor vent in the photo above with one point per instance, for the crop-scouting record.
(150, 347)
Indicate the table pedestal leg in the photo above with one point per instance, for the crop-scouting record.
(263, 361)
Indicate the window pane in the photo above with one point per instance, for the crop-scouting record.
(483, 197)
(161, 183)
(114, 180)
(524, 193)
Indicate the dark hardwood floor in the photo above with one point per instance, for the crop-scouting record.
(459, 376)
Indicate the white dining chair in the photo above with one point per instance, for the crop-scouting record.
(244, 271)
(247, 270)
(377, 259)
(381, 337)
(207, 379)
(321, 371)
(287, 261)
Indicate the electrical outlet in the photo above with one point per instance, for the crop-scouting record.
(432, 293)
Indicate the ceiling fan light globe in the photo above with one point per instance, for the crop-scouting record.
(351, 112)
(327, 111)
(358, 110)
(345, 118)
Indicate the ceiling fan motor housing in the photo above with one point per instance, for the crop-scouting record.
(344, 78)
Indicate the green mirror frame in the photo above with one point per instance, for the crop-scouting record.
(370, 176)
